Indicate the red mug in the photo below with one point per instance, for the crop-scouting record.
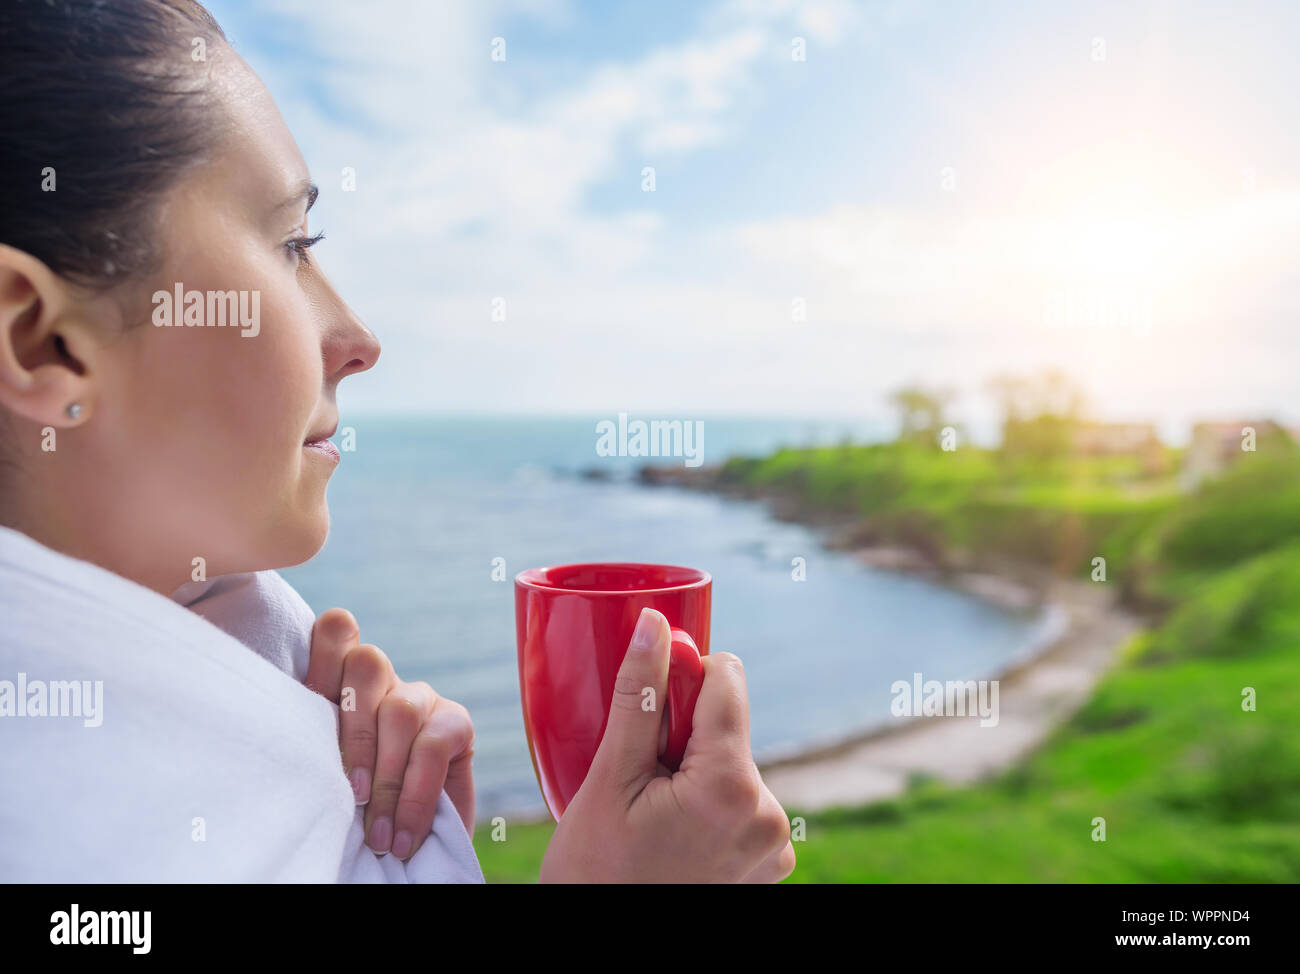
(573, 624)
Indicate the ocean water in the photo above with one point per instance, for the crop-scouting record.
(422, 507)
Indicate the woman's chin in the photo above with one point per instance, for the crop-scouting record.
(302, 537)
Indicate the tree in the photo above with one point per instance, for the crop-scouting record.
(921, 412)
(1039, 414)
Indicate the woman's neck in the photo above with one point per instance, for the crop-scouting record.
(100, 542)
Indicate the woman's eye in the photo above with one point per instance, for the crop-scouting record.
(299, 246)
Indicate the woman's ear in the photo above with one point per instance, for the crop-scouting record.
(47, 344)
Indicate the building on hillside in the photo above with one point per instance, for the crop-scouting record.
(1218, 445)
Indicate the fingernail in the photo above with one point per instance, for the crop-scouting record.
(647, 628)
(360, 779)
(402, 844)
(381, 834)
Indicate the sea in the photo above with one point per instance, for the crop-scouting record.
(433, 516)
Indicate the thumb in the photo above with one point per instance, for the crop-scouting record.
(628, 755)
(333, 636)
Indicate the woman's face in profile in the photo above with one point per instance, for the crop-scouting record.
(202, 431)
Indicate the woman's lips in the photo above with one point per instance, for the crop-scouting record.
(323, 447)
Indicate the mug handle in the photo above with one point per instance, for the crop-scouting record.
(685, 677)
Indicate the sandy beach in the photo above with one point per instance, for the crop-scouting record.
(1034, 697)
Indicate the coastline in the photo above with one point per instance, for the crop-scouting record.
(1036, 693)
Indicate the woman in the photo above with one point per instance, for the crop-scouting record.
(169, 359)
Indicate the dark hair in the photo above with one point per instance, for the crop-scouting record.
(109, 95)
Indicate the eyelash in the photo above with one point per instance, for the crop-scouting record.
(300, 245)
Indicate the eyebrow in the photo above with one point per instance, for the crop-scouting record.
(306, 188)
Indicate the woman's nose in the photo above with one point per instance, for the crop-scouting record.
(349, 346)
(358, 348)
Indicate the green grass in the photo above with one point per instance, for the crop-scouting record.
(1192, 787)
(517, 857)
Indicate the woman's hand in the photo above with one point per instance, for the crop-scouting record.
(402, 744)
(634, 821)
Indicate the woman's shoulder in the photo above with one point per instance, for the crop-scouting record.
(150, 744)
(63, 613)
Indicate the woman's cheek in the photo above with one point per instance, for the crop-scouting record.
(283, 359)
(291, 388)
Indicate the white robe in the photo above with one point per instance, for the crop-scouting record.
(203, 761)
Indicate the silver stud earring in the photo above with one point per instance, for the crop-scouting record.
(73, 410)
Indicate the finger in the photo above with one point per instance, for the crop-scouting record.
(762, 840)
(367, 678)
(628, 751)
(720, 724)
(401, 714)
(445, 739)
(459, 787)
(775, 867)
(333, 636)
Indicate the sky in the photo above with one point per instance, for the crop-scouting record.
(933, 193)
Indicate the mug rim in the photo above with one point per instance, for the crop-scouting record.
(521, 581)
